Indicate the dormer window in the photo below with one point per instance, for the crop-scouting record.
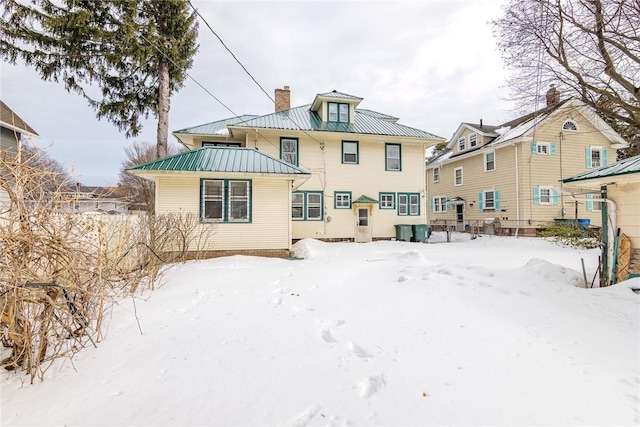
(570, 125)
(472, 140)
(338, 112)
(462, 143)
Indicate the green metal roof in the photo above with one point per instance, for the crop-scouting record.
(222, 159)
(365, 199)
(341, 95)
(623, 167)
(302, 118)
(378, 115)
(218, 127)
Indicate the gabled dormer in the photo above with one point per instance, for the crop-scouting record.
(335, 107)
(470, 136)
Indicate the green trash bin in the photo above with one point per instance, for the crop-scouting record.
(403, 232)
(420, 233)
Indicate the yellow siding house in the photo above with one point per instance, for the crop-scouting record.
(366, 169)
(507, 177)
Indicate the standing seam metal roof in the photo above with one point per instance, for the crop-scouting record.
(214, 127)
(623, 167)
(222, 159)
(302, 118)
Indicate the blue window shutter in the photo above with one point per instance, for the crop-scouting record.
(496, 199)
(587, 157)
(480, 201)
(534, 147)
(536, 195)
(604, 157)
(589, 202)
(433, 204)
(447, 204)
(552, 149)
(554, 197)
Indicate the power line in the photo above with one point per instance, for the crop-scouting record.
(230, 52)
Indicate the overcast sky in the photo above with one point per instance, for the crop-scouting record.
(431, 63)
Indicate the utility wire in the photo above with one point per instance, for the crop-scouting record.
(230, 52)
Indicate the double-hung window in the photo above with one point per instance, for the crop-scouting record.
(225, 200)
(387, 200)
(489, 200)
(393, 161)
(489, 161)
(436, 174)
(595, 157)
(307, 205)
(350, 152)
(342, 200)
(462, 143)
(439, 204)
(473, 140)
(408, 204)
(338, 112)
(289, 150)
(457, 176)
(544, 195)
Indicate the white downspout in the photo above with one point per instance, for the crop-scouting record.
(515, 147)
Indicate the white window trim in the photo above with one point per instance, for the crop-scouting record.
(441, 203)
(383, 204)
(494, 161)
(547, 148)
(573, 123)
(493, 199)
(462, 143)
(436, 176)
(599, 150)
(455, 183)
(475, 140)
(551, 194)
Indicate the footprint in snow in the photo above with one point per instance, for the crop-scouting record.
(303, 418)
(369, 386)
(358, 351)
(326, 336)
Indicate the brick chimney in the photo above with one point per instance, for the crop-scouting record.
(553, 96)
(283, 99)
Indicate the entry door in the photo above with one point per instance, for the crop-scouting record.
(363, 225)
(460, 217)
(459, 213)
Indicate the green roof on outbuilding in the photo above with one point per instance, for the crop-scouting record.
(623, 167)
(222, 159)
(302, 118)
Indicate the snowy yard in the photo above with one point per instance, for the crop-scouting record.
(493, 331)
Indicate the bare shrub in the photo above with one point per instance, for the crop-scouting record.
(60, 272)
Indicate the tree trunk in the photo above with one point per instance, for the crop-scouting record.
(163, 108)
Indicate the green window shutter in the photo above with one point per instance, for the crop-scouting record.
(552, 149)
(589, 202)
(496, 199)
(534, 147)
(447, 204)
(433, 204)
(536, 195)
(554, 197)
(604, 157)
(587, 157)
(480, 201)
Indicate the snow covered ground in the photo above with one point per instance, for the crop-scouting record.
(492, 331)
